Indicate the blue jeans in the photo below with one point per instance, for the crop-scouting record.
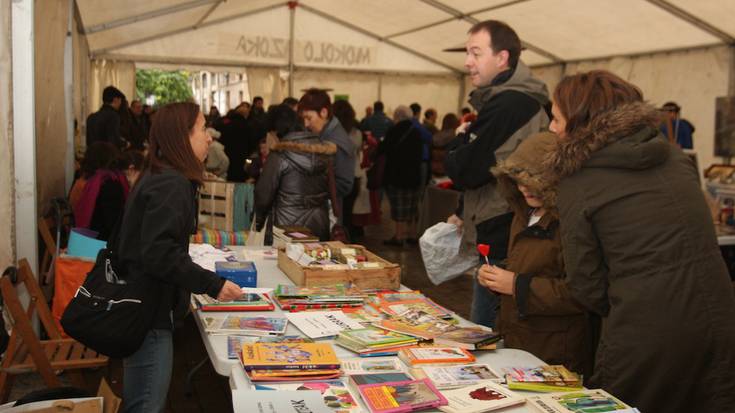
(147, 374)
(485, 303)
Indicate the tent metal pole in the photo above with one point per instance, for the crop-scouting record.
(291, 33)
(377, 37)
(24, 131)
(208, 13)
(69, 99)
(185, 29)
(695, 21)
(147, 16)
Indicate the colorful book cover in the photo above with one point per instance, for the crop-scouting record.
(234, 343)
(546, 374)
(364, 314)
(583, 401)
(334, 393)
(247, 325)
(402, 396)
(435, 355)
(292, 375)
(450, 377)
(482, 397)
(417, 323)
(421, 304)
(371, 365)
(287, 401)
(246, 302)
(289, 356)
(317, 324)
(360, 379)
(315, 291)
(393, 296)
(470, 338)
(375, 337)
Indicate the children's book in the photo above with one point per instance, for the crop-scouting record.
(417, 323)
(246, 302)
(371, 365)
(360, 379)
(376, 337)
(334, 393)
(234, 343)
(287, 401)
(485, 396)
(452, 377)
(470, 338)
(401, 396)
(418, 304)
(413, 356)
(292, 375)
(582, 401)
(317, 324)
(246, 325)
(287, 356)
(551, 378)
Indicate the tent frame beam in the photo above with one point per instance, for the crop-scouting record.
(208, 13)
(459, 15)
(169, 33)
(147, 16)
(368, 33)
(695, 21)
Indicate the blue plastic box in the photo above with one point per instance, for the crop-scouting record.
(242, 273)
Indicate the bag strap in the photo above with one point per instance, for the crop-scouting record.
(332, 187)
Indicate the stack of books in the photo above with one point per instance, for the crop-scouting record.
(552, 378)
(419, 356)
(297, 298)
(250, 301)
(289, 361)
(373, 341)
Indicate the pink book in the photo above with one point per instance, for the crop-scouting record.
(401, 396)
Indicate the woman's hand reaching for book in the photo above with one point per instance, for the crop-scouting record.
(497, 279)
(229, 292)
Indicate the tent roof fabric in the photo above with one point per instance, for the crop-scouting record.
(388, 35)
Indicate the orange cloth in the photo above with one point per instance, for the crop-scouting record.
(69, 275)
(76, 192)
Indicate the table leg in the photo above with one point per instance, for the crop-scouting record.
(190, 376)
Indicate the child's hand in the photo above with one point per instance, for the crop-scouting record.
(497, 279)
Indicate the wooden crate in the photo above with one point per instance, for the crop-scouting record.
(388, 277)
(216, 205)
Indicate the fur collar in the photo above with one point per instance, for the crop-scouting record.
(320, 148)
(577, 148)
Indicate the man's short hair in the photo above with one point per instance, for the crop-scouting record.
(378, 106)
(502, 37)
(430, 113)
(110, 93)
(671, 107)
(316, 100)
(415, 108)
(291, 101)
(257, 98)
(466, 110)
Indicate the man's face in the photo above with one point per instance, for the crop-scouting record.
(116, 102)
(244, 110)
(482, 63)
(315, 121)
(258, 104)
(136, 108)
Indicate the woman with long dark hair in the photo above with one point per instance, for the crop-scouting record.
(154, 242)
(640, 250)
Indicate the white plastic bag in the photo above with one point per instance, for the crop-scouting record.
(442, 253)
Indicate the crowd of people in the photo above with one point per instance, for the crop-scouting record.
(603, 258)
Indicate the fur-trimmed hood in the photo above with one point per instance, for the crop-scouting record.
(305, 142)
(624, 137)
(525, 166)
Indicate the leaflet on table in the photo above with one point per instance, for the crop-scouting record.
(206, 255)
(450, 377)
(317, 324)
(264, 254)
(334, 393)
(482, 397)
(287, 401)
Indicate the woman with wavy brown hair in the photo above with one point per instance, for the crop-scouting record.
(640, 250)
(154, 243)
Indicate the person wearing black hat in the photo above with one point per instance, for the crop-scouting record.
(675, 128)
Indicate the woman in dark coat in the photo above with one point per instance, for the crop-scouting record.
(154, 246)
(537, 312)
(402, 148)
(294, 179)
(640, 250)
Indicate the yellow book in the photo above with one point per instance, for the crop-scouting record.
(289, 356)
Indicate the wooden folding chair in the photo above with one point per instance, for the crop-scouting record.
(26, 353)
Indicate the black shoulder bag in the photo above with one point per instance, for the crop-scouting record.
(111, 313)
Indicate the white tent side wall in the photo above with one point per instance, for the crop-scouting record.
(691, 78)
(7, 193)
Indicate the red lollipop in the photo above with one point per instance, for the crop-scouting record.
(484, 250)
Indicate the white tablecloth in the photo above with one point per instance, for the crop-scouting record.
(269, 275)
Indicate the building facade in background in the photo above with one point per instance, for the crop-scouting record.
(222, 89)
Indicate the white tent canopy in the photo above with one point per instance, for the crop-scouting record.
(681, 50)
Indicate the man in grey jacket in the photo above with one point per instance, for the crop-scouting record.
(315, 107)
(510, 105)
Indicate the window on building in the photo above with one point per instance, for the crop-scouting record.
(213, 99)
(227, 97)
(204, 80)
(241, 98)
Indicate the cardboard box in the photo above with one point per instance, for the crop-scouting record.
(387, 277)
